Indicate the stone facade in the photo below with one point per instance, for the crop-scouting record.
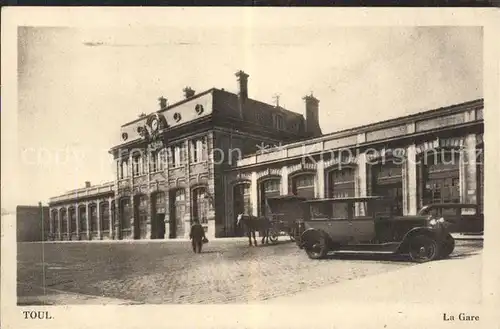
(393, 158)
(170, 167)
(208, 158)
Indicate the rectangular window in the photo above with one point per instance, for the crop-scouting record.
(170, 156)
(153, 161)
(178, 155)
(182, 154)
(137, 164)
(198, 152)
(162, 159)
(123, 169)
(279, 122)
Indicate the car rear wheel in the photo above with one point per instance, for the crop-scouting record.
(316, 248)
(423, 249)
(447, 247)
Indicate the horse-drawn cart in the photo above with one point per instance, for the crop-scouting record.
(285, 215)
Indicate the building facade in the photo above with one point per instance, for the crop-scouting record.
(171, 163)
(435, 156)
(206, 158)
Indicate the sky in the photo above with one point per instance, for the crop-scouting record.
(77, 86)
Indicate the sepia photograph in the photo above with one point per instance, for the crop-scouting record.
(248, 164)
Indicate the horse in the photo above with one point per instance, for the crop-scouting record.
(253, 224)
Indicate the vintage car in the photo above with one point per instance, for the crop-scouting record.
(353, 225)
(460, 217)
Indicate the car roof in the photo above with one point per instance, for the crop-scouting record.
(287, 197)
(364, 198)
(455, 205)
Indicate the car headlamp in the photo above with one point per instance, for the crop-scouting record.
(435, 221)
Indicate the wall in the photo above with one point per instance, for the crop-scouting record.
(29, 223)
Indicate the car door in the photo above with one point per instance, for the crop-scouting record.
(362, 226)
(471, 221)
(332, 219)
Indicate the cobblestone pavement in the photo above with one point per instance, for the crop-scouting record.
(228, 271)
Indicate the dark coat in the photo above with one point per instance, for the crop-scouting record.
(197, 232)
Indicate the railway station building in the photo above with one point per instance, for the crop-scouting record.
(216, 154)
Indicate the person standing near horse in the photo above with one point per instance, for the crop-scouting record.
(197, 235)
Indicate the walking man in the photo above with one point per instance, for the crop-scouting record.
(197, 235)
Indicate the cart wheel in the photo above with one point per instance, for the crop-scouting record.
(273, 237)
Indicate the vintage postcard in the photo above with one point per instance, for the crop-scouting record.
(249, 168)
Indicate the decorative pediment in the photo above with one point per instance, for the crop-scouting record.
(302, 166)
(269, 172)
(243, 176)
(452, 142)
(341, 160)
(373, 154)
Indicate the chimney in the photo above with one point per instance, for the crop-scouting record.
(87, 184)
(242, 84)
(188, 92)
(163, 103)
(313, 128)
(242, 79)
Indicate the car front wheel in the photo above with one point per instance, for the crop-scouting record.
(423, 249)
(316, 248)
(447, 247)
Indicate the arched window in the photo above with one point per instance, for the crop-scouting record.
(341, 183)
(93, 218)
(72, 220)
(104, 208)
(53, 226)
(64, 221)
(83, 219)
(303, 185)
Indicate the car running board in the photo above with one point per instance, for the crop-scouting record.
(362, 252)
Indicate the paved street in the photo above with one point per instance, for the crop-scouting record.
(228, 271)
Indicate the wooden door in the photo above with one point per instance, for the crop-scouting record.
(178, 210)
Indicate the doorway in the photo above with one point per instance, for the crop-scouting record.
(177, 211)
(160, 226)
